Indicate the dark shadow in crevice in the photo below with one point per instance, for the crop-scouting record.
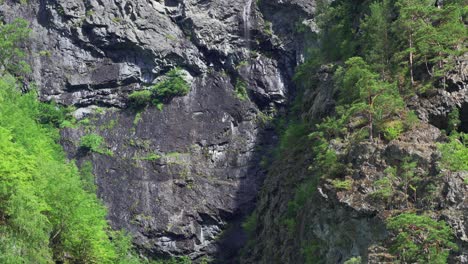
(464, 118)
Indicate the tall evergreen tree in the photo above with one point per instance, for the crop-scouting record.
(376, 42)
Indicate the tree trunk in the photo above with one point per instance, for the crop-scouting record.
(411, 58)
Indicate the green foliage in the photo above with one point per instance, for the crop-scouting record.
(376, 40)
(12, 35)
(392, 129)
(337, 22)
(311, 252)
(384, 186)
(140, 98)
(95, 143)
(303, 193)
(54, 115)
(420, 239)
(241, 90)
(342, 184)
(377, 101)
(294, 133)
(46, 215)
(87, 177)
(353, 260)
(250, 224)
(429, 36)
(453, 121)
(455, 152)
(171, 86)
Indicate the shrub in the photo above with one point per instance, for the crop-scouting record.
(393, 129)
(455, 152)
(241, 90)
(91, 142)
(94, 142)
(420, 239)
(353, 260)
(173, 85)
(250, 224)
(384, 186)
(45, 215)
(342, 184)
(140, 98)
(453, 121)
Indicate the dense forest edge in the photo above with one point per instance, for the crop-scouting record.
(381, 55)
(49, 210)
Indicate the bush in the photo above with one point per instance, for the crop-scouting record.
(95, 143)
(453, 121)
(342, 184)
(392, 129)
(140, 98)
(250, 224)
(91, 142)
(174, 85)
(455, 152)
(420, 239)
(241, 90)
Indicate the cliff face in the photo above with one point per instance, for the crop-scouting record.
(183, 177)
(336, 223)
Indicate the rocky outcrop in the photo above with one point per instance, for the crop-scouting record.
(336, 223)
(180, 179)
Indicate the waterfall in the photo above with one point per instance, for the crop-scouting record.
(246, 19)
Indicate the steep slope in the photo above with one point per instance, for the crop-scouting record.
(182, 177)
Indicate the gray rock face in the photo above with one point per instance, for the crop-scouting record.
(180, 177)
(334, 224)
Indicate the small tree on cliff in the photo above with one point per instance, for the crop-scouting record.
(377, 100)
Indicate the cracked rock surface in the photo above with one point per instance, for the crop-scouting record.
(181, 179)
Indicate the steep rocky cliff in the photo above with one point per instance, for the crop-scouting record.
(181, 178)
(336, 223)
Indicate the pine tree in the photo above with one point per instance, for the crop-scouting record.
(412, 18)
(376, 41)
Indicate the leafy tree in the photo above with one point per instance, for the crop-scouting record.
(45, 214)
(420, 239)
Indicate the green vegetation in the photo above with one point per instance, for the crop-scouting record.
(342, 184)
(11, 56)
(140, 98)
(48, 210)
(354, 260)
(250, 224)
(95, 143)
(171, 86)
(455, 152)
(45, 212)
(241, 90)
(382, 53)
(174, 85)
(420, 239)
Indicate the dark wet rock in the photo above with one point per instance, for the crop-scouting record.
(183, 178)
